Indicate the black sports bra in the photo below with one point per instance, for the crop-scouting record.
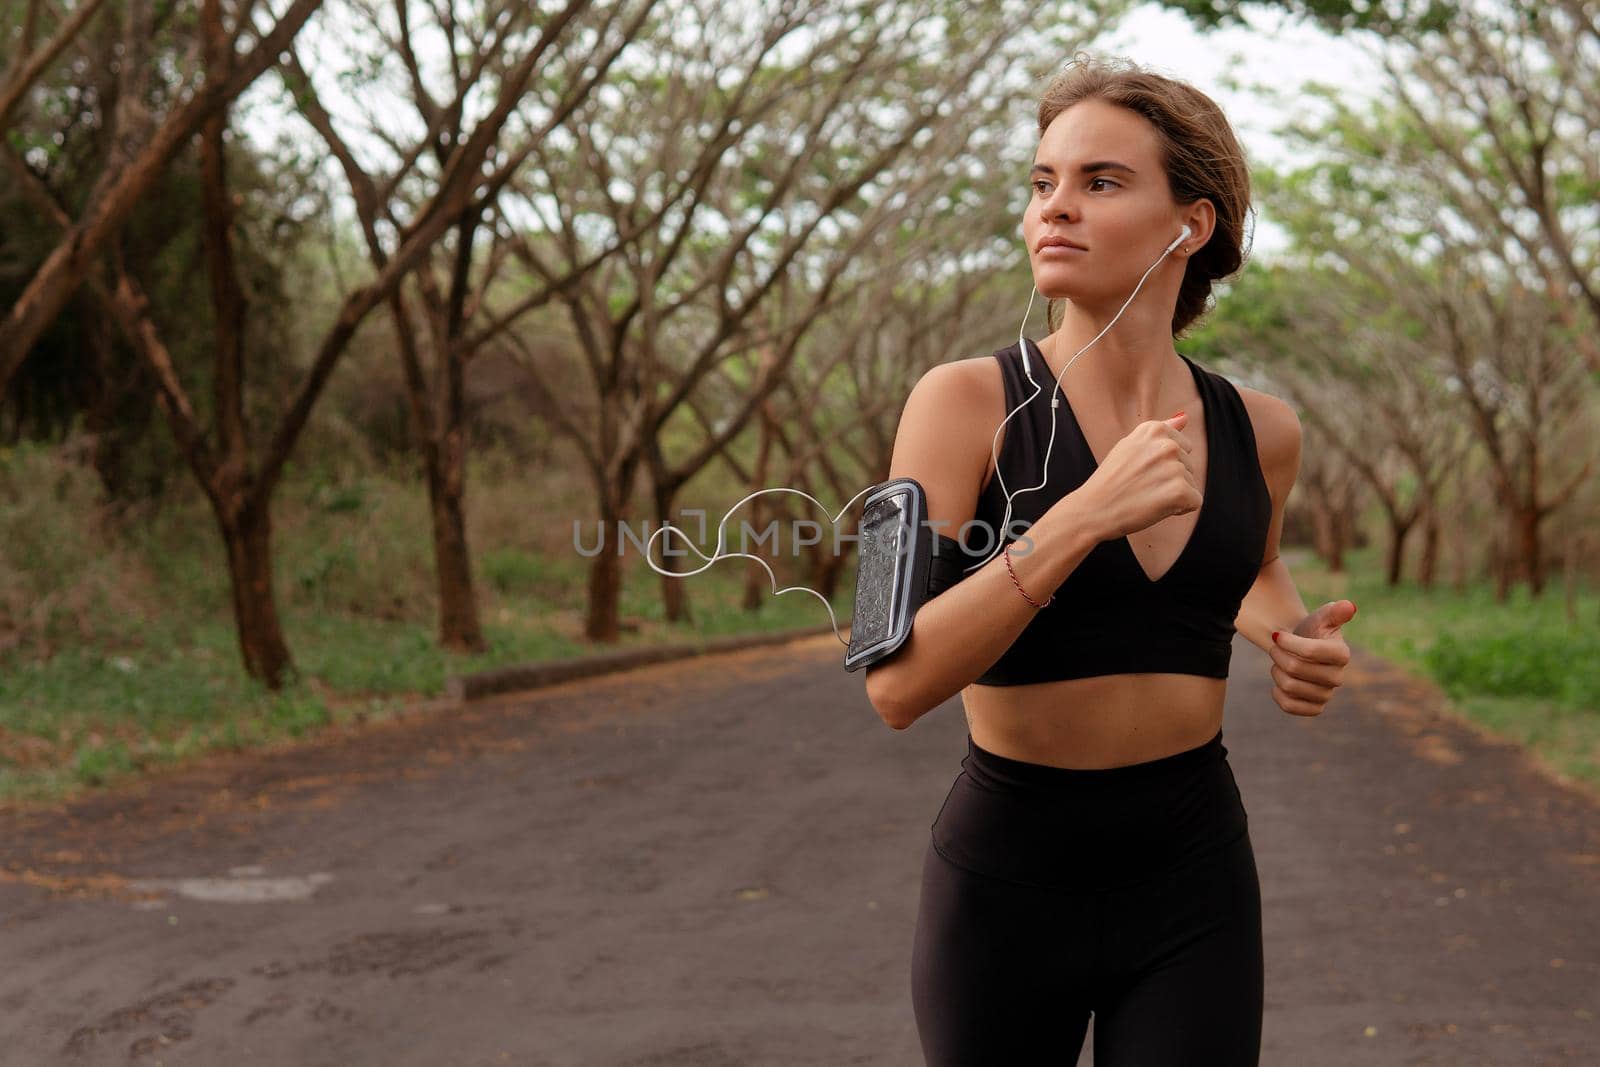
(1109, 616)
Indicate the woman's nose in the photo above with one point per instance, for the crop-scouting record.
(1058, 205)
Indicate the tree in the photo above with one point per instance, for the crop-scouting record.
(1506, 98)
(766, 156)
(28, 65)
(451, 282)
(1526, 394)
(238, 474)
(1364, 372)
(137, 163)
(1401, 312)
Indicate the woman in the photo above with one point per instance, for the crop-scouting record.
(1093, 855)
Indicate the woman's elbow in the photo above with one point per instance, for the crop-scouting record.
(884, 695)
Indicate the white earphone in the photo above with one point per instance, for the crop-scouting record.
(1027, 366)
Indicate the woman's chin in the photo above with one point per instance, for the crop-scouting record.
(1076, 288)
(1058, 291)
(1056, 284)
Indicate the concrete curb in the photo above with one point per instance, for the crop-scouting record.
(465, 687)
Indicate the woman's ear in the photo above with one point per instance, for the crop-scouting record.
(1200, 224)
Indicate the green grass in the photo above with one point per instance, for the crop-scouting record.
(118, 653)
(172, 688)
(1521, 668)
(156, 688)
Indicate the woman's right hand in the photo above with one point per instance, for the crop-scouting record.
(1145, 478)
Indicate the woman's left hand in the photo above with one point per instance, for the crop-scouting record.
(1308, 663)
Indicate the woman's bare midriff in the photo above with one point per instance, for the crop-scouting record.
(1112, 720)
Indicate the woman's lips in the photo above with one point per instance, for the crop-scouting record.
(1060, 251)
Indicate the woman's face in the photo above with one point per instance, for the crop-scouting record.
(1097, 181)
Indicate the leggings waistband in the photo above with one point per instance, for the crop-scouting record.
(992, 768)
(1093, 828)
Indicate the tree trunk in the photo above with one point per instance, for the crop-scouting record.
(830, 566)
(1394, 557)
(755, 579)
(1346, 518)
(1501, 562)
(458, 603)
(1530, 562)
(605, 583)
(248, 537)
(459, 629)
(756, 582)
(1327, 536)
(1574, 561)
(672, 549)
(118, 407)
(1428, 565)
(822, 564)
(614, 495)
(444, 461)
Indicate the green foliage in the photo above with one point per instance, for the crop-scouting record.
(54, 565)
(1398, 19)
(295, 713)
(1553, 663)
(510, 570)
(81, 367)
(1576, 190)
(117, 646)
(100, 764)
(336, 499)
(1518, 667)
(359, 546)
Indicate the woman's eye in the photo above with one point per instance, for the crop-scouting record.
(1093, 180)
(1040, 187)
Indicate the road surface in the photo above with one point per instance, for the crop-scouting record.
(715, 862)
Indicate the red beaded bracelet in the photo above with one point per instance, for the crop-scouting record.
(1006, 552)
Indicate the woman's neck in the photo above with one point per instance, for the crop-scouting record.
(1131, 370)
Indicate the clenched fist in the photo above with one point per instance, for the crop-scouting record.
(1308, 663)
(1146, 477)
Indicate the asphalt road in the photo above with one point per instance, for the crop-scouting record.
(715, 862)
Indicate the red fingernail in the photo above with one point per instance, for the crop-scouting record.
(1275, 636)
(1180, 412)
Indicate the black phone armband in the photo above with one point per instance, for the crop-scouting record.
(901, 564)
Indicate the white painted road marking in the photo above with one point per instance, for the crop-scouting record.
(238, 890)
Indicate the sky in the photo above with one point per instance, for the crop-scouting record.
(1275, 52)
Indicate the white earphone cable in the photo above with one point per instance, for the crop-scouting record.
(994, 451)
(1055, 400)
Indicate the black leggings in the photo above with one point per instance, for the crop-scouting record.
(1130, 892)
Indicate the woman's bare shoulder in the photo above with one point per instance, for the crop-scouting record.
(971, 397)
(945, 433)
(1278, 437)
(981, 374)
(964, 392)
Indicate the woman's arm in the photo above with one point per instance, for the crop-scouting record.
(1308, 652)
(944, 440)
(1273, 602)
